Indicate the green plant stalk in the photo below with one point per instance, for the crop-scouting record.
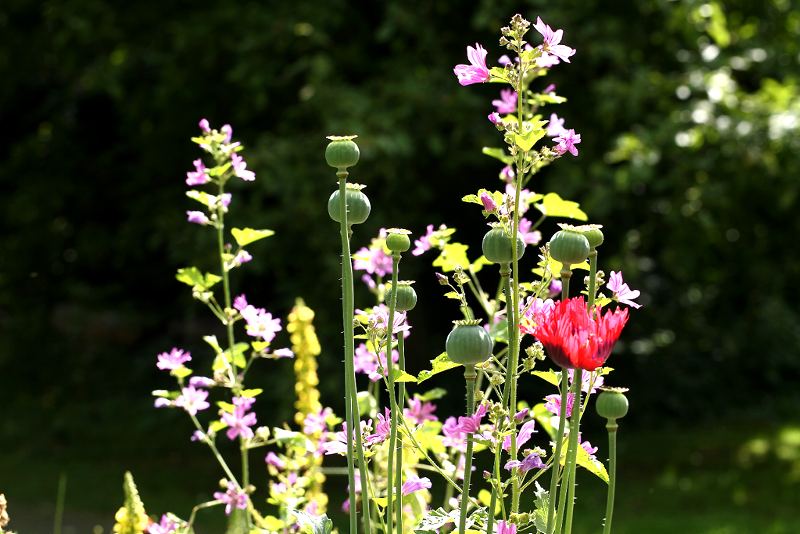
(493, 501)
(58, 516)
(562, 419)
(572, 453)
(592, 279)
(392, 397)
(351, 404)
(611, 426)
(469, 376)
(401, 392)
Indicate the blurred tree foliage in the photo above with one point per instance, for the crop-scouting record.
(689, 112)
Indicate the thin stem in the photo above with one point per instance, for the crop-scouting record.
(513, 357)
(572, 453)
(392, 397)
(592, 279)
(611, 426)
(58, 517)
(469, 376)
(401, 392)
(556, 467)
(434, 465)
(496, 480)
(226, 283)
(216, 453)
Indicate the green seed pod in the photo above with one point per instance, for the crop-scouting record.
(591, 232)
(498, 247)
(406, 296)
(358, 206)
(569, 247)
(612, 403)
(342, 152)
(397, 240)
(469, 343)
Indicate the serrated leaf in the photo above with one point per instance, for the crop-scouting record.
(499, 154)
(245, 236)
(439, 364)
(553, 205)
(453, 255)
(498, 75)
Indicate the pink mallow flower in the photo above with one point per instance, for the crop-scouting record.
(553, 404)
(240, 421)
(587, 381)
(240, 168)
(259, 322)
(165, 526)
(419, 411)
(532, 461)
(507, 102)
(476, 71)
(585, 445)
(382, 429)
(495, 118)
(488, 202)
(472, 423)
(232, 498)
(535, 313)
(504, 527)
(528, 236)
(425, 242)
(373, 260)
(174, 359)
(192, 400)
(552, 41)
(523, 436)
(414, 483)
(199, 176)
(556, 126)
(622, 293)
(197, 217)
(228, 131)
(566, 142)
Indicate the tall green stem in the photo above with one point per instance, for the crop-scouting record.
(611, 426)
(469, 376)
(592, 279)
(567, 495)
(351, 406)
(401, 393)
(496, 478)
(392, 397)
(566, 274)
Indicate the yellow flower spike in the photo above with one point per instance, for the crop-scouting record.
(131, 518)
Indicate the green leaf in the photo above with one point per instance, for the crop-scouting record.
(499, 154)
(250, 393)
(526, 141)
(433, 394)
(453, 255)
(452, 295)
(216, 426)
(554, 206)
(181, 372)
(498, 75)
(226, 406)
(478, 264)
(402, 376)
(237, 358)
(439, 364)
(259, 346)
(548, 376)
(313, 525)
(245, 236)
(193, 277)
(212, 340)
(594, 466)
(202, 197)
(382, 502)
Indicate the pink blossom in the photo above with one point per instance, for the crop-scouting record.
(228, 131)
(550, 88)
(373, 260)
(260, 323)
(233, 497)
(585, 445)
(240, 168)
(552, 40)
(622, 293)
(555, 288)
(504, 60)
(495, 118)
(225, 200)
(275, 461)
(528, 236)
(508, 174)
(522, 414)
(532, 461)
(199, 176)
(504, 527)
(472, 423)
(546, 61)
(586, 380)
(201, 382)
(535, 313)
(165, 526)
(174, 359)
(240, 421)
(566, 142)
(316, 423)
(197, 217)
(192, 400)
(523, 436)
(283, 353)
(415, 483)
(241, 257)
(204, 126)
(476, 71)
(453, 435)
(507, 102)
(488, 202)
(423, 244)
(419, 411)
(556, 126)
(382, 429)
(553, 404)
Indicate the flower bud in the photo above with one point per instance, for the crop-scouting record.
(397, 240)
(569, 247)
(498, 246)
(612, 404)
(469, 343)
(406, 296)
(342, 152)
(358, 206)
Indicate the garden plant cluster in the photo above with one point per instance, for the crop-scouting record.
(400, 450)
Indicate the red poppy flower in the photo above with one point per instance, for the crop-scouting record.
(575, 339)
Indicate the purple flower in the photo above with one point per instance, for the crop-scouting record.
(550, 88)
(423, 244)
(192, 400)
(197, 217)
(382, 429)
(472, 423)
(275, 461)
(506, 528)
(555, 288)
(476, 71)
(204, 126)
(553, 404)
(414, 483)
(453, 435)
(622, 293)
(419, 411)
(535, 313)
(198, 435)
(233, 497)
(240, 421)
(523, 436)
(552, 40)
(166, 526)
(546, 61)
(240, 168)
(528, 236)
(494, 118)
(566, 142)
(283, 353)
(507, 174)
(488, 202)
(259, 322)
(240, 302)
(174, 359)
(522, 414)
(532, 461)
(228, 131)
(373, 260)
(225, 200)
(201, 382)
(241, 257)
(504, 60)
(199, 176)
(556, 126)
(586, 380)
(585, 445)
(316, 423)
(507, 102)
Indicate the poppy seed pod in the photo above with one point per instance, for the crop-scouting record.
(569, 247)
(358, 206)
(612, 403)
(406, 296)
(592, 233)
(498, 246)
(342, 152)
(397, 240)
(469, 343)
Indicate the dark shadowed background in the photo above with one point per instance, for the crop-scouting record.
(689, 113)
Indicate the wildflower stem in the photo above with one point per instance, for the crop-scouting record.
(401, 392)
(592, 279)
(226, 283)
(562, 420)
(611, 426)
(392, 398)
(353, 420)
(451, 483)
(496, 479)
(512, 316)
(215, 451)
(469, 376)
(568, 484)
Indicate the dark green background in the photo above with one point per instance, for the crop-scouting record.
(690, 159)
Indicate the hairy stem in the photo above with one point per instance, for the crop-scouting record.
(611, 426)
(401, 392)
(567, 502)
(392, 397)
(469, 376)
